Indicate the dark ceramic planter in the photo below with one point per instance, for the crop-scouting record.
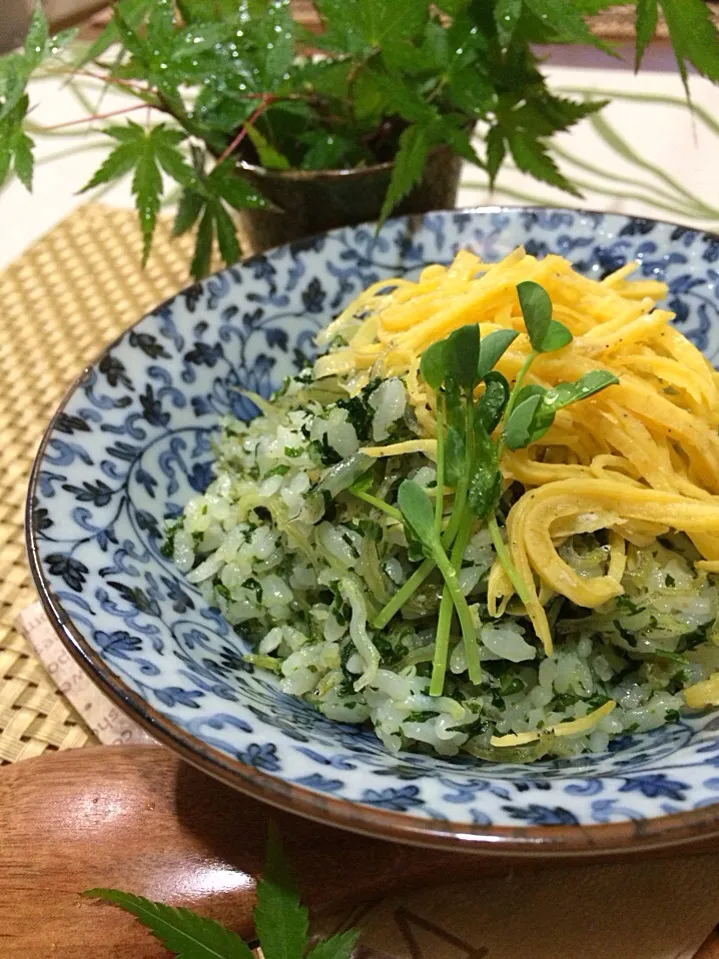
(311, 201)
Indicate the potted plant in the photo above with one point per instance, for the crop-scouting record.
(299, 132)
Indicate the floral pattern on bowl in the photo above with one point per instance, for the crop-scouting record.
(131, 443)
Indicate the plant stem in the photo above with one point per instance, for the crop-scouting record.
(408, 589)
(505, 559)
(100, 116)
(444, 622)
(439, 501)
(379, 504)
(403, 594)
(463, 614)
(267, 99)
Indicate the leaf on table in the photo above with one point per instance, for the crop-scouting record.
(280, 920)
(340, 946)
(183, 932)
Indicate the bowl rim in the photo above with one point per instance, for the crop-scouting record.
(630, 836)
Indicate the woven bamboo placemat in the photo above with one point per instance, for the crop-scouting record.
(67, 296)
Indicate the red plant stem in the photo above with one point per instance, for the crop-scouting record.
(130, 84)
(97, 116)
(267, 98)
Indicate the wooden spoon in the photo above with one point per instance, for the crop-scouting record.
(138, 818)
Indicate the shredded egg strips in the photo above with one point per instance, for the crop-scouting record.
(637, 459)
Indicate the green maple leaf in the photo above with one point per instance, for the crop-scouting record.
(506, 16)
(646, 25)
(186, 934)
(133, 14)
(356, 26)
(531, 156)
(206, 198)
(414, 144)
(339, 946)
(565, 18)
(496, 152)
(146, 152)
(280, 920)
(16, 146)
(692, 35)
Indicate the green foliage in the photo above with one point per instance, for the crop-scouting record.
(418, 514)
(401, 79)
(433, 364)
(280, 921)
(478, 415)
(183, 932)
(144, 152)
(492, 349)
(545, 334)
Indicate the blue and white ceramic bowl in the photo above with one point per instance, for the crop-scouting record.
(131, 442)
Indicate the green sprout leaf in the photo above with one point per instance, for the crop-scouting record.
(518, 430)
(493, 402)
(545, 334)
(433, 364)
(492, 349)
(485, 485)
(536, 407)
(563, 394)
(417, 512)
(455, 464)
(556, 337)
(536, 311)
(462, 356)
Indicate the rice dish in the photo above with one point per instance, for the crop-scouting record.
(600, 622)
